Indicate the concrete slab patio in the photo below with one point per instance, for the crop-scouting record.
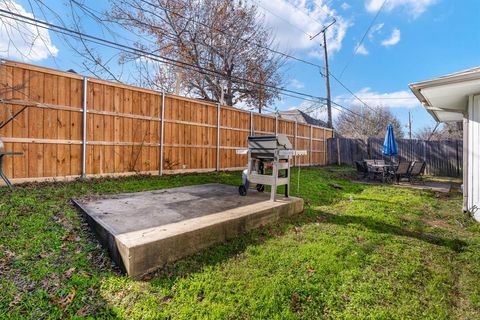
(145, 230)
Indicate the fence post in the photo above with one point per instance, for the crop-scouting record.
(218, 137)
(310, 158)
(252, 130)
(84, 126)
(457, 158)
(427, 169)
(295, 141)
(338, 151)
(324, 149)
(162, 135)
(276, 123)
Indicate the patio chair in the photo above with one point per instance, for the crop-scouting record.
(402, 170)
(362, 169)
(368, 162)
(373, 172)
(370, 170)
(416, 172)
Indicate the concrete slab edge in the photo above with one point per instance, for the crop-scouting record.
(196, 234)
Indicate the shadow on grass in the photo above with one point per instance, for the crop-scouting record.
(219, 253)
(222, 252)
(454, 244)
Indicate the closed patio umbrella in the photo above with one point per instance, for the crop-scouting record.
(390, 145)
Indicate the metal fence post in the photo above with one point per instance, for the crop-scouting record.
(218, 136)
(162, 135)
(84, 128)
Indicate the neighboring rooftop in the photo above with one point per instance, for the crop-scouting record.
(301, 117)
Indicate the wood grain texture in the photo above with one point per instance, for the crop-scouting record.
(443, 158)
(124, 128)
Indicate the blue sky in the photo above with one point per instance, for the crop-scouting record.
(410, 40)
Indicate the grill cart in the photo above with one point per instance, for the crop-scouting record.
(264, 151)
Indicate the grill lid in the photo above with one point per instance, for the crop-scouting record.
(270, 142)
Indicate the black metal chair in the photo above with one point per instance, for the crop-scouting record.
(417, 171)
(362, 169)
(402, 171)
(371, 171)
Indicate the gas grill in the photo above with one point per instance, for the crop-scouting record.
(273, 151)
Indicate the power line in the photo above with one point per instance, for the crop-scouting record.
(309, 16)
(433, 131)
(90, 11)
(152, 56)
(280, 17)
(364, 36)
(379, 98)
(149, 55)
(340, 108)
(250, 42)
(335, 78)
(247, 41)
(351, 92)
(286, 55)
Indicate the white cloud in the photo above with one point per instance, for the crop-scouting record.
(345, 6)
(295, 21)
(393, 40)
(297, 84)
(413, 7)
(374, 30)
(23, 41)
(360, 49)
(396, 99)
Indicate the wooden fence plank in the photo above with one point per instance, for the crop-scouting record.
(123, 128)
(442, 157)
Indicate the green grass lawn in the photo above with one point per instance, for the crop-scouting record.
(358, 251)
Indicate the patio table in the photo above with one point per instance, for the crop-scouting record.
(384, 169)
(2, 174)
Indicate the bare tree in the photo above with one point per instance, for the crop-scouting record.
(363, 123)
(223, 42)
(443, 132)
(217, 50)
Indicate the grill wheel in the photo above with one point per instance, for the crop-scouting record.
(242, 190)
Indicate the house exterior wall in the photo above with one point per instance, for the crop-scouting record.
(465, 158)
(473, 141)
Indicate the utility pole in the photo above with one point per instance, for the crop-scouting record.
(327, 81)
(327, 75)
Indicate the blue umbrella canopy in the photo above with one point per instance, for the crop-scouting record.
(390, 145)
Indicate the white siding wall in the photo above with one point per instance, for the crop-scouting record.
(473, 183)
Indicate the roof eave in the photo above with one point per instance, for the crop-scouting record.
(416, 91)
(417, 87)
(445, 80)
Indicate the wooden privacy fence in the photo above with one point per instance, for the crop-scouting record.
(444, 158)
(73, 126)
